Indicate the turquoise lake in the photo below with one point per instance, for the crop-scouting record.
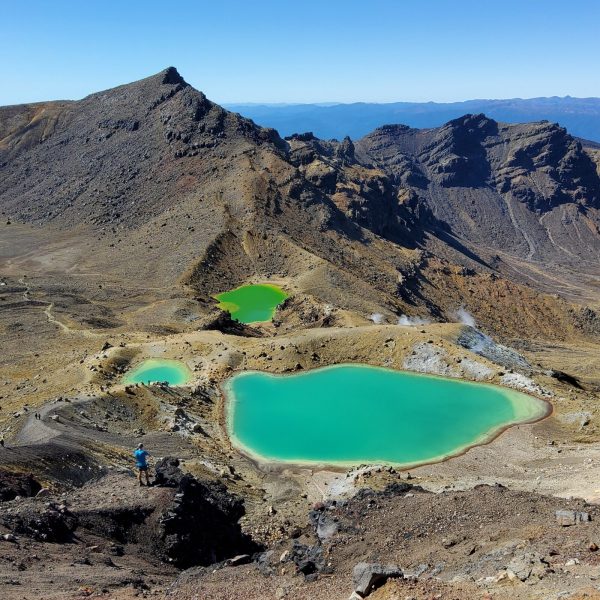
(158, 370)
(352, 414)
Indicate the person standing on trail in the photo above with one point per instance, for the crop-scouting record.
(141, 463)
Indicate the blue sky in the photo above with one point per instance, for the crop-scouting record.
(304, 50)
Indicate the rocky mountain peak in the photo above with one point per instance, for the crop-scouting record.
(172, 77)
(473, 122)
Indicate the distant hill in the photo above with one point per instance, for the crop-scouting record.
(581, 116)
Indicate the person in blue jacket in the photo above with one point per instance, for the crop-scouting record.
(141, 463)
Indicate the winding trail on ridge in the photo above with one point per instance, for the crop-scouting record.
(52, 319)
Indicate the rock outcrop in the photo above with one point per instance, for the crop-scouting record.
(201, 526)
(14, 484)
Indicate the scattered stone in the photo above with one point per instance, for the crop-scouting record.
(526, 566)
(572, 562)
(240, 559)
(368, 576)
(567, 518)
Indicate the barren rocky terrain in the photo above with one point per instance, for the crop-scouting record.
(467, 251)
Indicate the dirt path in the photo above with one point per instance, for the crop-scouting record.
(39, 431)
(52, 319)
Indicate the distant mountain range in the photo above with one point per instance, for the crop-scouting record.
(581, 116)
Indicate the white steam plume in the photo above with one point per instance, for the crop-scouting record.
(465, 317)
(412, 321)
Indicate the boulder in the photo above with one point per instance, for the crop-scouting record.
(309, 560)
(368, 576)
(566, 518)
(325, 526)
(167, 472)
(527, 565)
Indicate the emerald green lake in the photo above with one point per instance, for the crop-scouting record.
(252, 303)
(352, 414)
(158, 370)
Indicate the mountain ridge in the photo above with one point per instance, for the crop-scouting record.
(164, 185)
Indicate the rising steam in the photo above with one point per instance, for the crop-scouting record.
(465, 317)
(412, 321)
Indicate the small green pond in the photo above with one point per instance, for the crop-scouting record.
(252, 303)
(159, 370)
(351, 414)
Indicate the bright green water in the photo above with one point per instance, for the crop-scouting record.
(158, 369)
(353, 414)
(252, 303)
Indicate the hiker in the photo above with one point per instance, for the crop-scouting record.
(141, 463)
(2, 442)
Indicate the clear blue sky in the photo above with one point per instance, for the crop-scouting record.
(304, 50)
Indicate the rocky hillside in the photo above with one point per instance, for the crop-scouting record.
(161, 185)
(527, 190)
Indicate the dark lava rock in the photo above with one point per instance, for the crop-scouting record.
(222, 321)
(391, 490)
(119, 523)
(47, 525)
(167, 472)
(566, 378)
(13, 485)
(309, 560)
(201, 526)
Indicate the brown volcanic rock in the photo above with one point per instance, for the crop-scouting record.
(528, 190)
(109, 158)
(169, 191)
